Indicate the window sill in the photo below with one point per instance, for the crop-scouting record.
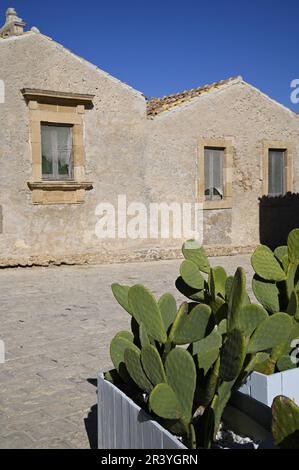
(59, 192)
(216, 205)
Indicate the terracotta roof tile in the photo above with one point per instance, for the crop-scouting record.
(157, 106)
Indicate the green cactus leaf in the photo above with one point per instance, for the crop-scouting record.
(222, 327)
(133, 364)
(207, 393)
(121, 295)
(256, 360)
(285, 263)
(233, 355)
(181, 376)
(217, 281)
(238, 299)
(220, 402)
(146, 310)
(268, 367)
(168, 309)
(271, 332)
(285, 363)
(293, 307)
(143, 336)
(266, 265)
(191, 326)
(281, 252)
(293, 246)
(164, 403)
(267, 294)
(193, 251)
(187, 291)
(152, 365)
(285, 423)
(118, 346)
(207, 350)
(251, 316)
(228, 287)
(191, 275)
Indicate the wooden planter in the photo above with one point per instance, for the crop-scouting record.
(265, 388)
(124, 425)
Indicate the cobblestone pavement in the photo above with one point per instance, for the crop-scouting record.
(57, 324)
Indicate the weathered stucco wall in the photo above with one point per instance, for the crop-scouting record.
(237, 113)
(149, 160)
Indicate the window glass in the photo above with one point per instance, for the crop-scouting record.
(277, 173)
(214, 164)
(57, 152)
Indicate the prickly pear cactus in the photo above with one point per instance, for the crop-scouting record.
(152, 365)
(164, 403)
(191, 326)
(233, 355)
(145, 310)
(266, 265)
(168, 309)
(285, 423)
(194, 252)
(132, 358)
(271, 332)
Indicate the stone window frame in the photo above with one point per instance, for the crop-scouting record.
(277, 145)
(227, 146)
(57, 108)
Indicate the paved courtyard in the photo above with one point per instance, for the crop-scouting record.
(57, 324)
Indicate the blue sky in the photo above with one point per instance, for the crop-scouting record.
(165, 46)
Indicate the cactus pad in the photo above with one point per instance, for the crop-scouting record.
(121, 295)
(145, 310)
(285, 423)
(293, 246)
(271, 333)
(266, 293)
(168, 309)
(164, 402)
(233, 355)
(266, 265)
(191, 326)
(238, 298)
(181, 376)
(152, 365)
(217, 281)
(191, 275)
(207, 350)
(251, 316)
(134, 367)
(193, 251)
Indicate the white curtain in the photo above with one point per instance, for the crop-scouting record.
(57, 152)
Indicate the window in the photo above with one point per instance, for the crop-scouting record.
(214, 180)
(277, 168)
(277, 172)
(57, 152)
(57, 145)
(215, 169)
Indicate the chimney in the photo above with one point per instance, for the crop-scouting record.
(13, 26)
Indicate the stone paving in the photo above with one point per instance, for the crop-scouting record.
(57, 324)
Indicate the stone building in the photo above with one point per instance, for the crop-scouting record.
(73, 137)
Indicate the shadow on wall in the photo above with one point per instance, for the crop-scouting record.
(278, 217)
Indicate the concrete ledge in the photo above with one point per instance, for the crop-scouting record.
(115, 257)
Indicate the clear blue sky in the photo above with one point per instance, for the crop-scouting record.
(165, 46)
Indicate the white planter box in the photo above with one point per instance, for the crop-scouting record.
(265, 388)
(124, 425)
